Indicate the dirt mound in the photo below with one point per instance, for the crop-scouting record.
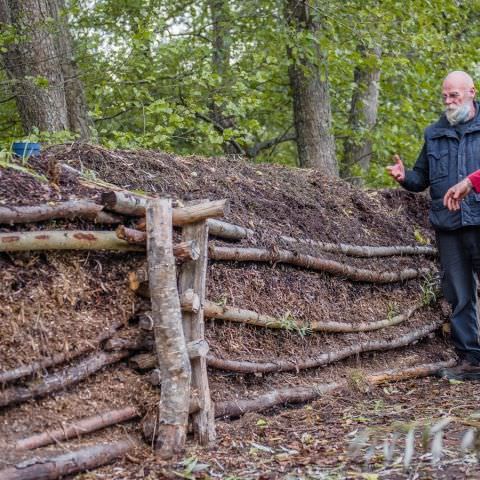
(57, 302)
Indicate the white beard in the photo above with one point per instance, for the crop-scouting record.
(458, 115)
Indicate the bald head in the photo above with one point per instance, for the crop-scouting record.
(459, 79)
(458, 93)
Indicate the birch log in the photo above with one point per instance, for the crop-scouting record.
(312, 263)
(89, 210)
(69, 463)
(362, 250)
(169, 340)
(74, 430)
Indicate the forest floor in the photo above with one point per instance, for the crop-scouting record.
(54, 302)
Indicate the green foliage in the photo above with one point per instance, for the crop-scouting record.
(152, 80)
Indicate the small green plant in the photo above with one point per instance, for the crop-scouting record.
(430, 289)
(419, 237)
(288, 322)
(392, 310)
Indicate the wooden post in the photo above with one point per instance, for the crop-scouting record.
(193, 278)
(167, 326)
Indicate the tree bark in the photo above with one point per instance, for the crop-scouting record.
(67, 377)
(235, 408)
(324, 358)
(310, 89)
(227, 231)
(78, 119)
(362, 250)
(363, 113)
(32, 368)
(74, 430)
(11, 215)
(312, 263)
(69, 463)
(169, 340)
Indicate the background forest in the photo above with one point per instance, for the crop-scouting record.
(335, 85)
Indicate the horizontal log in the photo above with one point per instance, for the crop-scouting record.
(87, 209)
(237, 407)
(312, 263)
(80, 427)
(324, 358)
(69, 463)
(361, 250)
(63, 240)
(57, 359)
(228, 231)
(63, 379)
(129, 204)
(147, 361)
(217, 228)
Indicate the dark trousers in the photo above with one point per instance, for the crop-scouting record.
(460, 262)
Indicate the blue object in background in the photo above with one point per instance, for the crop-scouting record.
(26, 149)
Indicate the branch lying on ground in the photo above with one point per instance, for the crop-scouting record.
(52, 468)
(305, 394)
(63, 379)
(27, 370)
(312, 263)
(323, 359)
(81, 427)
(362, 251)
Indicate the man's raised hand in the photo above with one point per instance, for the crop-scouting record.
(397, 171)
(456, 194)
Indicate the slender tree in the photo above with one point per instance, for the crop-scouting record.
(310, 89)
(363, 113)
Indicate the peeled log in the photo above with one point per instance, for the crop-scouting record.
(306, 394)
(362, 250)
(65, 378)
(312, 263)
(81, 427)
(64, 240)
(73, 209)
(52, 468)
(324, 358)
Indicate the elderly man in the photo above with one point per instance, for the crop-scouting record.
(450, 153)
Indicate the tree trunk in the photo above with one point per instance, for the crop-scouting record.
(32, 62)
(81, 427)
(78, 118)
(169, 339)
(312, 263)
(52, 468)
(309, 85)
(363, 113)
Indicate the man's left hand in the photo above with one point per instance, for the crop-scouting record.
(456, 194)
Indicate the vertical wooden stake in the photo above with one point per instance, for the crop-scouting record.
(167, 326)
(193, 276)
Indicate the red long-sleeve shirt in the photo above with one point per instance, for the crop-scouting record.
(475, 179)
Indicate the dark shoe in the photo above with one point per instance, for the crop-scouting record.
(463, 371)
